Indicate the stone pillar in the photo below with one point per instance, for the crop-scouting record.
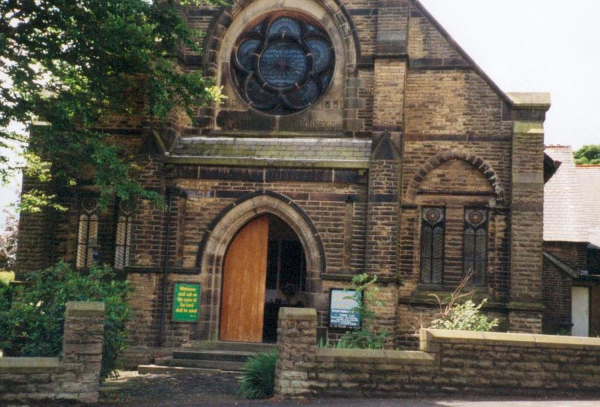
(390, 72)
(296, 346)
(382, 210)
(527, 223)
(82, 350)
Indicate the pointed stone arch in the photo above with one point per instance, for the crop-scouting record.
(214, 245)
(477, 162)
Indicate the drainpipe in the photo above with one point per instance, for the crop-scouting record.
(163, 303)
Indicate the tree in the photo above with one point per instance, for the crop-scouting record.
(73, 63)
(32, 314)
(588, 155)
(8, 242)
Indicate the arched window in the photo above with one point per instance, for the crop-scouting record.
(475, 245)
(123, 236)
(87, 235)
(432, 245)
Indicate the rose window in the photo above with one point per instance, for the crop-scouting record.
(282, 64)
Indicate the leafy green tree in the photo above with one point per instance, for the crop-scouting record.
(588, 155)
(69, 64)
(8, 242)
(32, 314)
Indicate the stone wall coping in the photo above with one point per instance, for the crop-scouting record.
(304, 314)
(532, 100)
(376, 356)
(85, 309)
(431, 336)
(24, 364)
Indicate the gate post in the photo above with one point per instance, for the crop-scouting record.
(296, 346)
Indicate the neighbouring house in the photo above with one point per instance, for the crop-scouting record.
(356, 137)
(571, 247)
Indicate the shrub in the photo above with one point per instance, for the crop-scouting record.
(455, 314)
(258, 377)
(465, 317)
(366, 337)
(32, 314)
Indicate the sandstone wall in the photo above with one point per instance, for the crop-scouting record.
(75, 376)
(449, 362)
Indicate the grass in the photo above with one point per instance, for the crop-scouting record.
(258, 377)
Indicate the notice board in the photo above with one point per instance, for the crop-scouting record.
(342, 310)
(186, 301)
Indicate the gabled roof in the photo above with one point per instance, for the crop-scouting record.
(516, 100)
(564, 267)
(564, 219)
(589, 190)
(572, 200)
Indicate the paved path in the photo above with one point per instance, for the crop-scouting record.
(133, 390)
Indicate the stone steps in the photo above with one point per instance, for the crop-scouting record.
(218, 355)
(202, 364)
(206, 357)
(155, 369)
(226, 346)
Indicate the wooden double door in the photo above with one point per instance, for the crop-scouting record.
(244, 279)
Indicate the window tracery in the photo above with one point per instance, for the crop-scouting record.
(282, 64)
(87, 234)
(123, 235)
(432, 245)
(475, 244)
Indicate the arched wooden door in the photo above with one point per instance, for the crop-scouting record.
(245, 271)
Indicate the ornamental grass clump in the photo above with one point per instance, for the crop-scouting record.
(258, 377)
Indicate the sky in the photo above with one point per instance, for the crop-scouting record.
(526, 46)
(536, 46)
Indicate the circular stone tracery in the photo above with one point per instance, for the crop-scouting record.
(282, 64)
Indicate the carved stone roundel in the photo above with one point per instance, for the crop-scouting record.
(283, 63)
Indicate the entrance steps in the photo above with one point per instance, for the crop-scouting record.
(206, 357)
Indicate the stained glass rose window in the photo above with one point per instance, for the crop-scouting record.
(282, 64)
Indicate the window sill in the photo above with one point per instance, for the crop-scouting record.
(425, 295)
(424, 287)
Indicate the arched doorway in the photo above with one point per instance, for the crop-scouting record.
(264, 269)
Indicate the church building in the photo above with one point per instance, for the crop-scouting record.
(356, 137)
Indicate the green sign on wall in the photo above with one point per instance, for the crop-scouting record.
(186, 300)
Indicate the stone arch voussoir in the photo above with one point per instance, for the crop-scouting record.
(216, 240)
(477, 162)
(212, 250)
(226, 15)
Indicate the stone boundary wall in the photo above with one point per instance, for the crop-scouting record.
(75, 376)
(460, 362)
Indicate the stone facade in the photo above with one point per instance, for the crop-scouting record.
(449, 362)
(75, 376)
(407, 122)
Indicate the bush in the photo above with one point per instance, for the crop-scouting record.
(455, 314)
(465, 317)
(258, 378)
(365, 292)
(32, 314)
